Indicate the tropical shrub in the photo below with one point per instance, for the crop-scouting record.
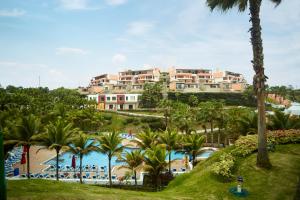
(233, 99)
(284, 136)
(224, 167)
(245, 145)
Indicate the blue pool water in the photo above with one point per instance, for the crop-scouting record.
(99, 159)
(206, 154)
(96, 158)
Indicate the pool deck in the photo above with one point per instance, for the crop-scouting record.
(36, 160)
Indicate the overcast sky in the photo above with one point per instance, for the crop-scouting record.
(66, 42)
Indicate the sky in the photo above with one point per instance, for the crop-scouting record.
(67, 42)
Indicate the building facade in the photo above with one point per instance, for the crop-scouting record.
(116, 101)
(174, 80)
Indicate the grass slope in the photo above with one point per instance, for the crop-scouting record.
(279, 183)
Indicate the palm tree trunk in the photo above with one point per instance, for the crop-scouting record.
(28, 161)
(109, 170)
(212, 133)
(219, 137)
(57, 154)
(205, 131)
(259, 83)
(166, 121)
(135, 179)
(193, 159)
(80, 168)
(170, 162)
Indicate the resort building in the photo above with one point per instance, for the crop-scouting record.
(189, 80)
(134, 80)
(102, 83)
(174, 80)
(116, 101)
(229, 81)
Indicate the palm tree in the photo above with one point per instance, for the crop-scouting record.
(24, 134)
(170, 139)
(166, 106)
(58, 135)
(155, 162)
(82, 145)
(183, 117)
(110, 144)
(192, 145)
(133, 160)
(283, 121)
(146, 139)
(208, 113)
(248, 123)
(258, 65)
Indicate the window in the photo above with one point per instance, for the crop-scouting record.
(121, 98)
(102, 98)
(107, 98)
(126, 98)
(111, 107)
(114, 98)
(132, 98)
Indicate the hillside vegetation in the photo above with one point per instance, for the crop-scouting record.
(278, 183)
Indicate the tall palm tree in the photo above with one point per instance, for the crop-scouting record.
(170, 140)
(146, 139)
(155, 162)
(183, 117)
(133, 160)
(58, 136)
(166, 106)
(258, 66)
(82, 145)
(192, 145)
(110, 144)
(24, 134)
(208, 114)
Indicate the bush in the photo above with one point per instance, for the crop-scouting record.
(224, 166)
(230, 99)
(284, 136)
(245, 145)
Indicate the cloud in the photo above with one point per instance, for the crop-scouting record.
(12, 13)
(18, 65)
(70, 51)
(116, 2)
(119, 59)
(191, 16)
(139, 27)
(13, 73)
(77, 5)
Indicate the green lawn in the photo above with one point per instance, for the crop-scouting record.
(279, 183)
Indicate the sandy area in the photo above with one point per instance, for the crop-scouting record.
(36, 160)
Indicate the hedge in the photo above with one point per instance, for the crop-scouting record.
(230, 99)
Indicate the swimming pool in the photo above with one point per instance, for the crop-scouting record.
(97, 158)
